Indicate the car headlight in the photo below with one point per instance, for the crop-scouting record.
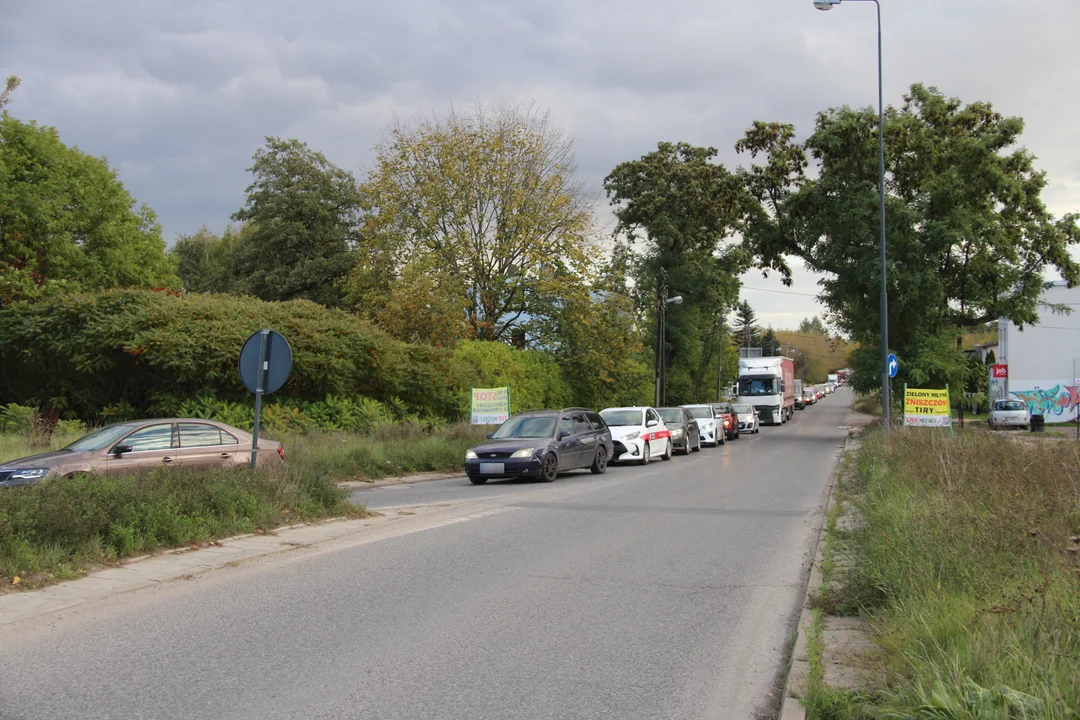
(523, 453)
(470, 455)
(677, 433)
(29, 474)
(632, 436)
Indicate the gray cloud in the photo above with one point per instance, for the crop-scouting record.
(178, 94)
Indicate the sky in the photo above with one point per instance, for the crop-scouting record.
(178, 94)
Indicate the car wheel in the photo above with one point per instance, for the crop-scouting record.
(599, 463)
(697, 448)
(477, 480)
(686, 448)
(646, 454)
(551, 468)
(667, 452)
(721, 437)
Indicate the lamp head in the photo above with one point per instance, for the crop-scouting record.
(826, 4)
(677, 300)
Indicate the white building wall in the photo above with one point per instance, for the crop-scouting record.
(1044, 359)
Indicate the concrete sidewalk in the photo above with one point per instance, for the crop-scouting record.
(154, 569)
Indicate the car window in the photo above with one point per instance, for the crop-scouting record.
(527, 426)
(228, 439)
(566, 425)
(581, 425)
(651, 416)
(622, 418)
(154, 437)
(595, 421)
(1012, 405)
(100, 439)
(199, 435)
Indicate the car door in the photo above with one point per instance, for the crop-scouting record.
(569, 447)
(693, 432)
(587, 438)
(200, 446)
(600, 432)
(151, 446)
(653, 425)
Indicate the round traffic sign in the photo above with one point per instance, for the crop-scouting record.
(269, 352)
(894, 365)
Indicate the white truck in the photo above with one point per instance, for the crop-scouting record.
(834, 381)
(768, 383)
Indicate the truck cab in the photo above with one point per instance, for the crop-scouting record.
(768, 383)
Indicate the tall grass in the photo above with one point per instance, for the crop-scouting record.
(968, 564)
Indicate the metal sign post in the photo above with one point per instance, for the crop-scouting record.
(264, 365)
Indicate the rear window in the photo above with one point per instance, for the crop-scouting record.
(1012, 405)
(595, 421)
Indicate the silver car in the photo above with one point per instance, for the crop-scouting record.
(1008, 413)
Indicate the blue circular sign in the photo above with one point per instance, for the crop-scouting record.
(894, 365)
(271, 351)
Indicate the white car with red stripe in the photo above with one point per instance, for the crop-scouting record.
(639, 434)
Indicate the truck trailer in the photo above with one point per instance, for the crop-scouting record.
(768, 383)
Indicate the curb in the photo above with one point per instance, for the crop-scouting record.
(800, 666)
(353, 485)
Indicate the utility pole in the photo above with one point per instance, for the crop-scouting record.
(661, 311)
(719, 359)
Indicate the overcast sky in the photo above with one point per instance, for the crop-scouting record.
(179, 93)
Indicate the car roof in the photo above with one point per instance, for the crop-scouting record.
(629, 407)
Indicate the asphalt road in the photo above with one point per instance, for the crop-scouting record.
(660, 592)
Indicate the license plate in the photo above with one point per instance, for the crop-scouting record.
(492, 468)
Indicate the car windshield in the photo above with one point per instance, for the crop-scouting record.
(526, 427)
(622, 418)
(754, 386)
(101, 439)
(1011, 405)
(743, 409)
(701, 413)
(671, 415)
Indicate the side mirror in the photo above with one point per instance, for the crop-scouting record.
(490, 435)
(564, 434)
(119, 450)
(651, 423)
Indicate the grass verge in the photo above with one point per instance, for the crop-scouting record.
(969, 564)
(56, 530)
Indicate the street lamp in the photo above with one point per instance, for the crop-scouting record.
(885, 399)
(661, 331)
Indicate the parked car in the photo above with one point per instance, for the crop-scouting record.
(639, 434)
(1007, 413)
(142, 445)
(541, 444)
(707, 424)
(685, 435)
(748, 419)
(727, 417)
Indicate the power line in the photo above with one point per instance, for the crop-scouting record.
(766, 289)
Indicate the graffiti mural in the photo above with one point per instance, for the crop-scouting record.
(1059, 404)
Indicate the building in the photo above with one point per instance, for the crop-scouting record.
(1043, 360)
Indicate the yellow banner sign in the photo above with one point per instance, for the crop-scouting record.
(926, 408)
(490, 406)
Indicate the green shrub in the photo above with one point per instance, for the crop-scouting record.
(533, 376)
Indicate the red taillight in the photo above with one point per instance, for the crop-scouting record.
(281, 452)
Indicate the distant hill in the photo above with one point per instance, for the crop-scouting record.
(815, 355)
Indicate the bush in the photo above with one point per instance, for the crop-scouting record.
(117, 354)
(534, 377)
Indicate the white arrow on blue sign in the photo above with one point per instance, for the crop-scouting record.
(894, 365)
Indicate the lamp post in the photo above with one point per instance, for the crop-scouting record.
(662, 301)
(886, 408)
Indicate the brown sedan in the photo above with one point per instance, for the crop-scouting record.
(144, 444)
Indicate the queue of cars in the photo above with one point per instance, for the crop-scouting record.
(541, 444)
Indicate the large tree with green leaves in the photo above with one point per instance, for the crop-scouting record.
(305, 214)
(969, 237)
(66, 220)
(485, 203)
(683, 207)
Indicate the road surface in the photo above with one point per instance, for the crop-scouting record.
(668, 591)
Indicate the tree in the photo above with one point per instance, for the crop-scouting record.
(813, 326)
(9, 87)
(746, 330)
(488, 198)
(66, 220)
(305, 214)
(969, 237)
(991, 358)
(770, 345)
(206, 262)
(687, 207)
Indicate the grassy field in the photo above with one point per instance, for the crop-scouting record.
(58, 529)
(969, 566)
